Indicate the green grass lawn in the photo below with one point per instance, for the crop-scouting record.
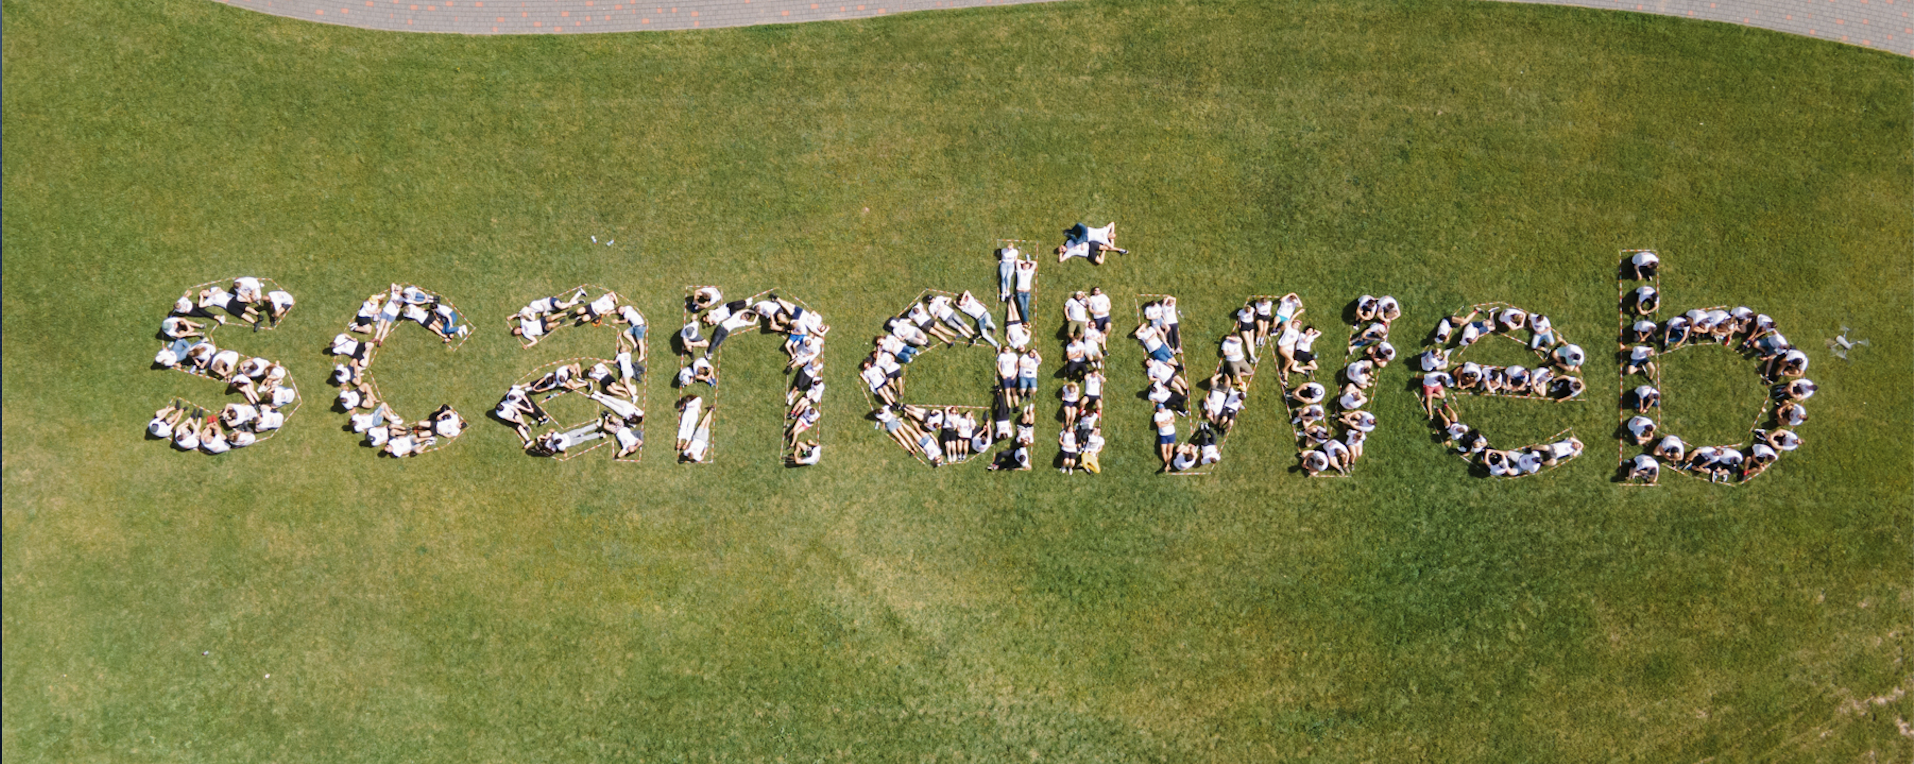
(478, 604)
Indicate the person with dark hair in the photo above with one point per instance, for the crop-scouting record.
(1081, 240)
(1646, 300)
(1641, 266)
(1644, 468)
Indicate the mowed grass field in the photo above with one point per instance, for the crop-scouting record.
(305, 601)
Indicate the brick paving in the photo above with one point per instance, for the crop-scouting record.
(581, 16)
(1880, 24)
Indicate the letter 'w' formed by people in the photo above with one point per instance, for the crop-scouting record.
(1327, 444)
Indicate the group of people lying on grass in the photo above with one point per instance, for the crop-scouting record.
(953, 434)
(803, 330)
(1314, 414)
(382, 311)
(617, 386)
(542, 316)
(947, 435)
(1471, 444)
(1557, 376)
(1080, 443)
(1781, 364)
(1161, 336)
(384, 429)
(1715, 463)
(936, 317)
(251, 300)
(189, 347)
(191, 428)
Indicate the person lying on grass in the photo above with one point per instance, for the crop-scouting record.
(566, 377)
(1165, 421)
(1314, 462)
(1015, 458)
(1778, 439)
(725, 319)
(1644, 469)
(1297, 348)
(1640, 429)
(806, 454)
(697, 448)
(1559, 451)
(1081, 240)
(1434, 391)
(518, 409)
(803, 417)
(1800, 390)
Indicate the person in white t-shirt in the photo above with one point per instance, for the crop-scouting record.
(1076, 313)
(690, 410)
(1026, 282)
(1093, 451)
(698, 447)
(1561, 451)
(727, 325)
(1644, 469)
(1314, 462)
(1007, 259)
(1236, 363)
(1641, 429)
(1099, 305)
(164, 420)
(807, 453)
(980, 314)
(1027, 366)
(212, 439)
(1671, 448)
(1089, 243)
(1165, 421)
(1007, 373)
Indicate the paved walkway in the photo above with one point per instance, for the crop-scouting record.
(570, 16)
(1881, 24)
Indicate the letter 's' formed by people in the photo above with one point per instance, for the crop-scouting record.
(188, 346)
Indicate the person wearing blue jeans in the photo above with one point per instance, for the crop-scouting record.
(1026, 281)
(1006, 271)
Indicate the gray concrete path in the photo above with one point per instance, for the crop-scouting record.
(579, 16)
(1881, 24)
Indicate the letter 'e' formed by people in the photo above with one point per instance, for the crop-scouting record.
(1554, 376)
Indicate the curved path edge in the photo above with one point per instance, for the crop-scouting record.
(1878, 24)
